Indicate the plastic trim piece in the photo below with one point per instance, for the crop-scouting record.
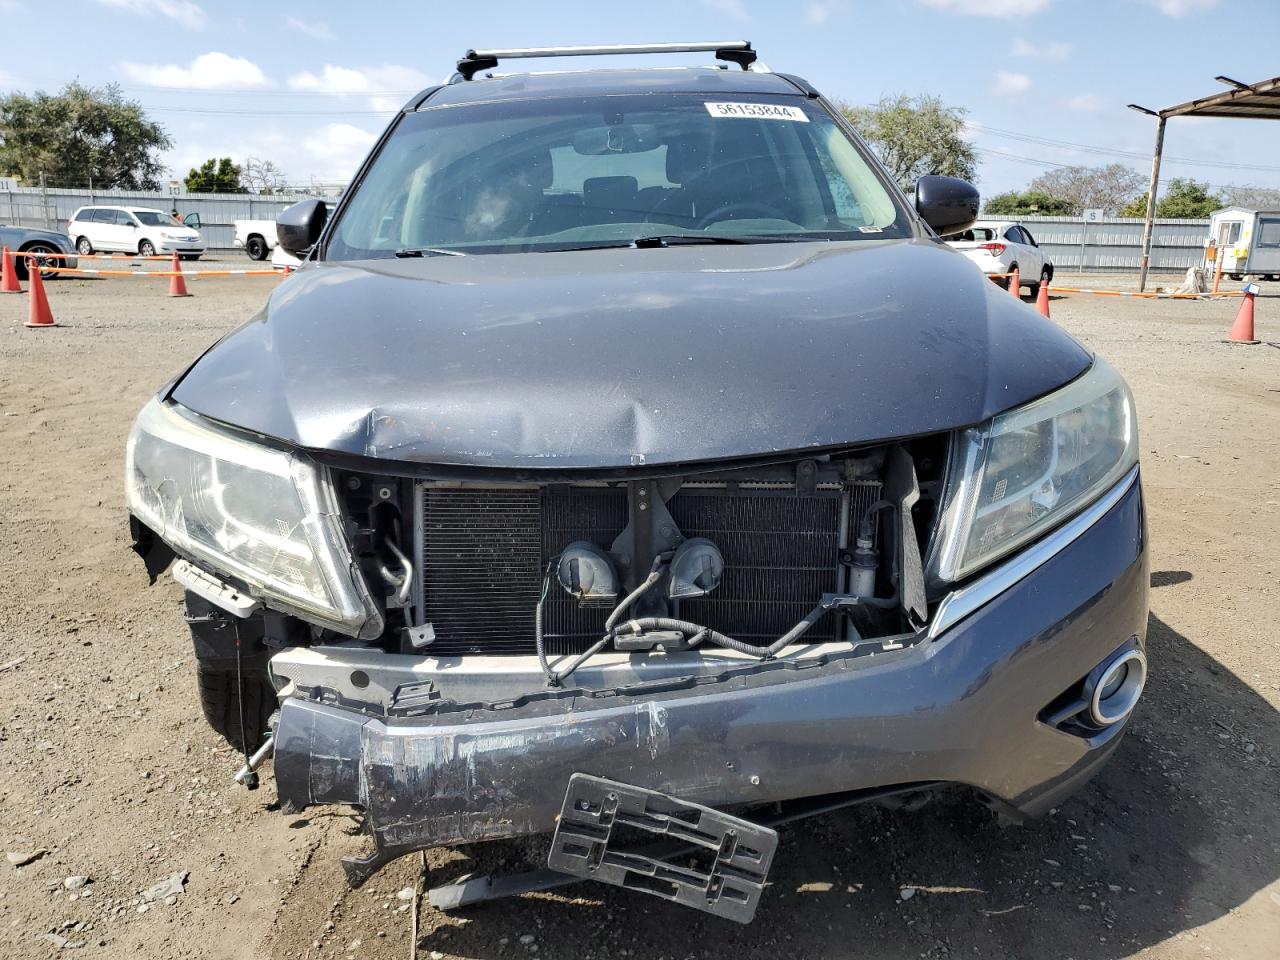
(217, 591)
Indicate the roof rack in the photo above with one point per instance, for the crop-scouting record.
(733, 51)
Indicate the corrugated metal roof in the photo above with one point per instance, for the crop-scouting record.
(1257, 101)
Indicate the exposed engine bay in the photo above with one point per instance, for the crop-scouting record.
(746, 561)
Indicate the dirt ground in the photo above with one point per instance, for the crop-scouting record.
(106, 764)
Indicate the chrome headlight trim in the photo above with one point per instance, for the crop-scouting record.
(1028, 470)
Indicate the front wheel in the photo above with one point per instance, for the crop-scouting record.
(43, 256)
(256, 248)
(147, 249)
(226, 697)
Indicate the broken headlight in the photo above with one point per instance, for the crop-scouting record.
(1025, 471)
(263, 516)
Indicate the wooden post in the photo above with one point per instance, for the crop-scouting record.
(1149, 226)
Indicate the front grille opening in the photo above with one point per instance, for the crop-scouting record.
(484, 551)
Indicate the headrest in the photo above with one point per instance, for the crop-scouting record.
(609, 192)
(538, 171)
(685, 160)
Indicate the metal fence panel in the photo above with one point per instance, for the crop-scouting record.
(52, 208)
(1071, 243)
(1115, 243)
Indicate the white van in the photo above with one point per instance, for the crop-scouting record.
(140, 230)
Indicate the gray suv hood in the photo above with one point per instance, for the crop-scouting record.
(623, 358)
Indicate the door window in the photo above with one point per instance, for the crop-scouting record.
(1014, 235)
(1228, 232)
(104, 216)
(1268, 232)
(1029, 238)
(123, 219)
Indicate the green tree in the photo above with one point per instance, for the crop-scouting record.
(1183, 199)
(79, 134)
(915, 136)
(1031, 203)
(214, 176)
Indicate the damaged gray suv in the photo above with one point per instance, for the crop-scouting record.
(629, 462)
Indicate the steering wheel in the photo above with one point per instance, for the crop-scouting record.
(719, 213)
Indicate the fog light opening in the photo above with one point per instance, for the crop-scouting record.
(1118, 688)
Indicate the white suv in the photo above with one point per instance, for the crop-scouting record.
(998, 246)
(140, 230)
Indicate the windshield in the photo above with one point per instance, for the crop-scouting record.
(602, 171)
(150, 218)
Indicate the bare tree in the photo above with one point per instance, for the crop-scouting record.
(1108, 188)
(262, 176)
(1250, 197)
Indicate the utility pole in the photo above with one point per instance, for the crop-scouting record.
(1149, 227)
(44, 199)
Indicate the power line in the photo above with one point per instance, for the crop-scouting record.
(1129, 154)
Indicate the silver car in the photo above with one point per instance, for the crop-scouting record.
(49, 249)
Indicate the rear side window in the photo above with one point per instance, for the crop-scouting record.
(1268, 232)
(84, 215)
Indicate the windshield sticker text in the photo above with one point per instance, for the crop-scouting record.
(757, 111)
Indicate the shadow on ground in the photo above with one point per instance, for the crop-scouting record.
(1167, 838)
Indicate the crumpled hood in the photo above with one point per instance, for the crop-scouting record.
(618, 358)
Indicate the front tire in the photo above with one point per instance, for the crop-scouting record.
(221, 699)
(39, 254)
(146, 249)
(256, 248)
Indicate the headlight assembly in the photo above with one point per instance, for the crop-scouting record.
(263, 516)
(1025, 471)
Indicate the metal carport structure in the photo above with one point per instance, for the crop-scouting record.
(1252, 101)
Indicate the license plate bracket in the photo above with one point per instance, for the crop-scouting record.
(601, 819)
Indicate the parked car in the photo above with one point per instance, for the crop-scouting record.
(999, 246)
(257, 237)
(141, 230)
(630, 451)
(50, 249)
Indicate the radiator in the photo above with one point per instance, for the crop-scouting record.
(485, 550)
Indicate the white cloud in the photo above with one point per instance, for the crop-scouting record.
(1003, 9)
(733, 9)
(335, 150)
(315, 29)
(1050, 51)
(388, 86)
(190, 15)
(209, 71)
(1084, 103)
(817, 12)
(1180, 8)
(1011, 84)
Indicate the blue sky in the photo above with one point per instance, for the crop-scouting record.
(308, 85)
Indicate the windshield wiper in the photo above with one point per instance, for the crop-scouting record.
(676, 239)
(428, 252)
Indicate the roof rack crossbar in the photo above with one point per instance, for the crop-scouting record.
(733, 51)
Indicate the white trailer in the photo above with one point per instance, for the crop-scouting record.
(1247, 241)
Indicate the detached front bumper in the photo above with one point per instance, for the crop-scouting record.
(964, 706)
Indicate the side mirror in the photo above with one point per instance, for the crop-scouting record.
(948, 204)
(298, 227)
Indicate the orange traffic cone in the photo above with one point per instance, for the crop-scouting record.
(177, 284)
(8, 275)
(38, 312)
(1015, 283)
(1242, 329)
(1042, 299)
